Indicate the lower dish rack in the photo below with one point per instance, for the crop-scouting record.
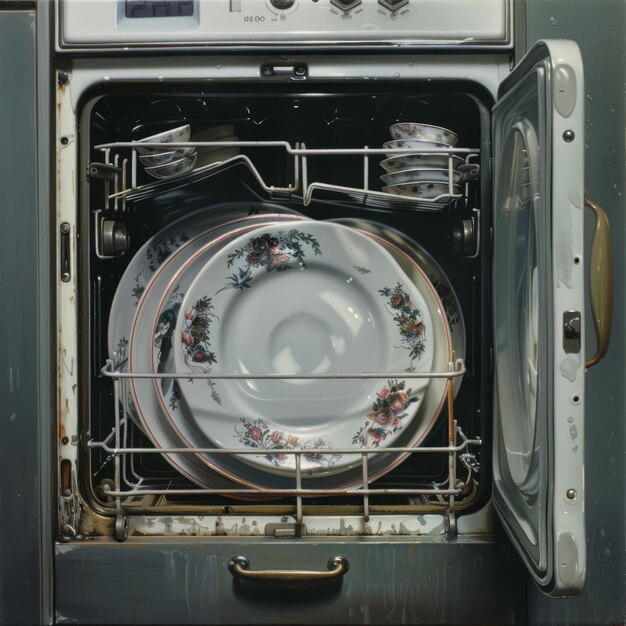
(132, 494)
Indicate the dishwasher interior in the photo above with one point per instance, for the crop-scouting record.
(324, 122)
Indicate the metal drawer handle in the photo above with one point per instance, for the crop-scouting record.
(239, 566)
(601, 282)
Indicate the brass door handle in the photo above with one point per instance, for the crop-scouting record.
(239, 567)
(601, 282)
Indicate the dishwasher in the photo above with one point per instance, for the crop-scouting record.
(204, 470)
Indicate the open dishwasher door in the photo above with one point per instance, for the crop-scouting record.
(538, 306)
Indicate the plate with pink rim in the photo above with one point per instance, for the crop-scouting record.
(144, 401)
(154, 252)
(315, 298)
(379, 464)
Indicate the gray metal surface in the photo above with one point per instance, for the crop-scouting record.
(598, 27)
(25, 545)
(187, 582)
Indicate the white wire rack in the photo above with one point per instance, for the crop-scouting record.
(128, 484)
(121, 173)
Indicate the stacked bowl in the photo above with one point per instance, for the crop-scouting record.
(422, 173)
(163, 163)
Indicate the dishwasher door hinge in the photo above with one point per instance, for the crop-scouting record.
(449, 522)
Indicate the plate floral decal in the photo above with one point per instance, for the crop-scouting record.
(196, 340)
(155, 256)
(409, 320)
(388, 411)
(258, 434)
(273, 251)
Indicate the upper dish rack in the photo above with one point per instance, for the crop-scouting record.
(120, 174)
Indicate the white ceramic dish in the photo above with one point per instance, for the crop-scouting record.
(423, 132)
(379, 464)
(424, 189)
(414, 145)
(164, 158)
(173, 169)
(409, 161)
(175, 135)
(146, 403)
(318, 298)
(421, 174)
(148, 259)
(408, 253)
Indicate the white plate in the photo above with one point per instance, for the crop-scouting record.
(317, 298)
(413, 144)
(418, 174)
(145, 402)
(407, 254)
(148, 259)
(407, 161)
(423, 189)
(423, 132)
(379, 464)
(155, 251)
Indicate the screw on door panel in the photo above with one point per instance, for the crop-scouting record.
(571, 494)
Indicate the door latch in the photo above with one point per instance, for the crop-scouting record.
(294, 71)
(571, 332)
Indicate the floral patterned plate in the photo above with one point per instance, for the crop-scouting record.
(407, 252)
(145, 403)
(313, 298)
(148, 259)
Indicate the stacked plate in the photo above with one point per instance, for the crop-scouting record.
(306, 302)
(421, 174)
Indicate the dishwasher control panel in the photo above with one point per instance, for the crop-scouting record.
(107, 24)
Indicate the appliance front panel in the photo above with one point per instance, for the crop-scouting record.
(538, 305)
(389, 581)
(275, 23)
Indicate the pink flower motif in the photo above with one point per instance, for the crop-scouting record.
(255, 433)
(398, 401)
(376, 434)
(278, 260)
(186, 337)
(190, 314)
(383, 393)
(292, 441)
(397, 300)
(276, 436)
(381, 416)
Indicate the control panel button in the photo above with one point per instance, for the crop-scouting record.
(393, 5)
(346, 5)
(282, 4)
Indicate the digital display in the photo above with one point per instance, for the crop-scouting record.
(159, 8)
